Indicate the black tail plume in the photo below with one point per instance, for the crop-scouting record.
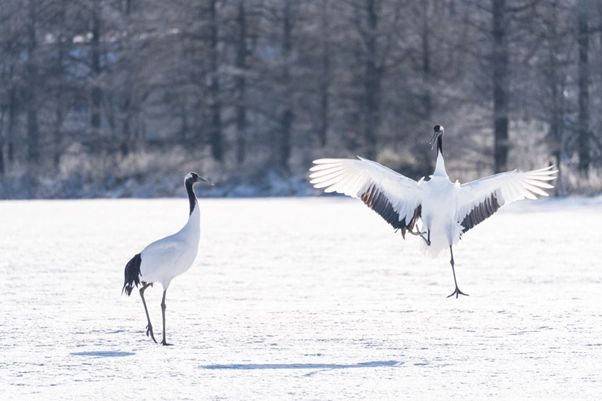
(132, 274)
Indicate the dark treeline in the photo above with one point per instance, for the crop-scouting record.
(109, 88)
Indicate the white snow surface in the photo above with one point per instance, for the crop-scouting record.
(300, 299)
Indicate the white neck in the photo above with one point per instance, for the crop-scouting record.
(440, 166)
(192, 228)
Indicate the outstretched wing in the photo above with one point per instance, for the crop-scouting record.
(395, 197)
(479, 199)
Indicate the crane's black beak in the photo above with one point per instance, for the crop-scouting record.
(206, 181)
(433, 140)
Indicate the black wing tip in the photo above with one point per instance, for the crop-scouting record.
(377, 201)
(480, 212)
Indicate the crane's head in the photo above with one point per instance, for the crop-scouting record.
(438, 131)
(193, 178)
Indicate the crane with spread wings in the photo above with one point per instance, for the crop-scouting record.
(434, 208)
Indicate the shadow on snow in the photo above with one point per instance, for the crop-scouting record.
(103, 354)
(318, 366)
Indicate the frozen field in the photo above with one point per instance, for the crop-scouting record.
(304, 299)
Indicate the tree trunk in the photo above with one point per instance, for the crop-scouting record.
(583, 44)
(2, 166)
(58, 112)
(372, 81)
(427, 101)
(325, 76)
(2, 141)
(126, 126)
(287, 115)
(215, 136)
(427, 97)
(96, 69)
(500, 86)
(556, 83)
(33, 145)
(241, 83)
(11, 125)
(126, 107)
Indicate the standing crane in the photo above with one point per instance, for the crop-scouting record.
(435, 209)
(166, 258)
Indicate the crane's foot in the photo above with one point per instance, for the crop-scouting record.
(457, 292)
(149, 332)
(165, 342)
(421, 235)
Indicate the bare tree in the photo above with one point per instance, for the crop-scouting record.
(96, 94)
(554, 66)
(501, 83)
(241, 81)
(32, 85)
(215, 135)
(58, 76)
(325, 72)
(367, 21)
(584, 82)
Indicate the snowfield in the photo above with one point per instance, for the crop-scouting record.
(300, 299)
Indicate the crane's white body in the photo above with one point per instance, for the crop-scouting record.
(173, 255)
(437, 208)
(439, 215)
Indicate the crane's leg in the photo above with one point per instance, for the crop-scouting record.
(421, 235)
(457, 291)
(164, 342)
(149, 327)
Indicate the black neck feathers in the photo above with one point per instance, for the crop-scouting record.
(440, 144)
(191, 195)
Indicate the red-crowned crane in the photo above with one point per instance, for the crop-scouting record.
(434, 208)
(166, 258)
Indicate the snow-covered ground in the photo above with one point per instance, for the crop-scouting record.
(309, 298)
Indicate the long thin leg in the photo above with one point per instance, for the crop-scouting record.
(457, 290)
(149, 327)
(164, 342)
